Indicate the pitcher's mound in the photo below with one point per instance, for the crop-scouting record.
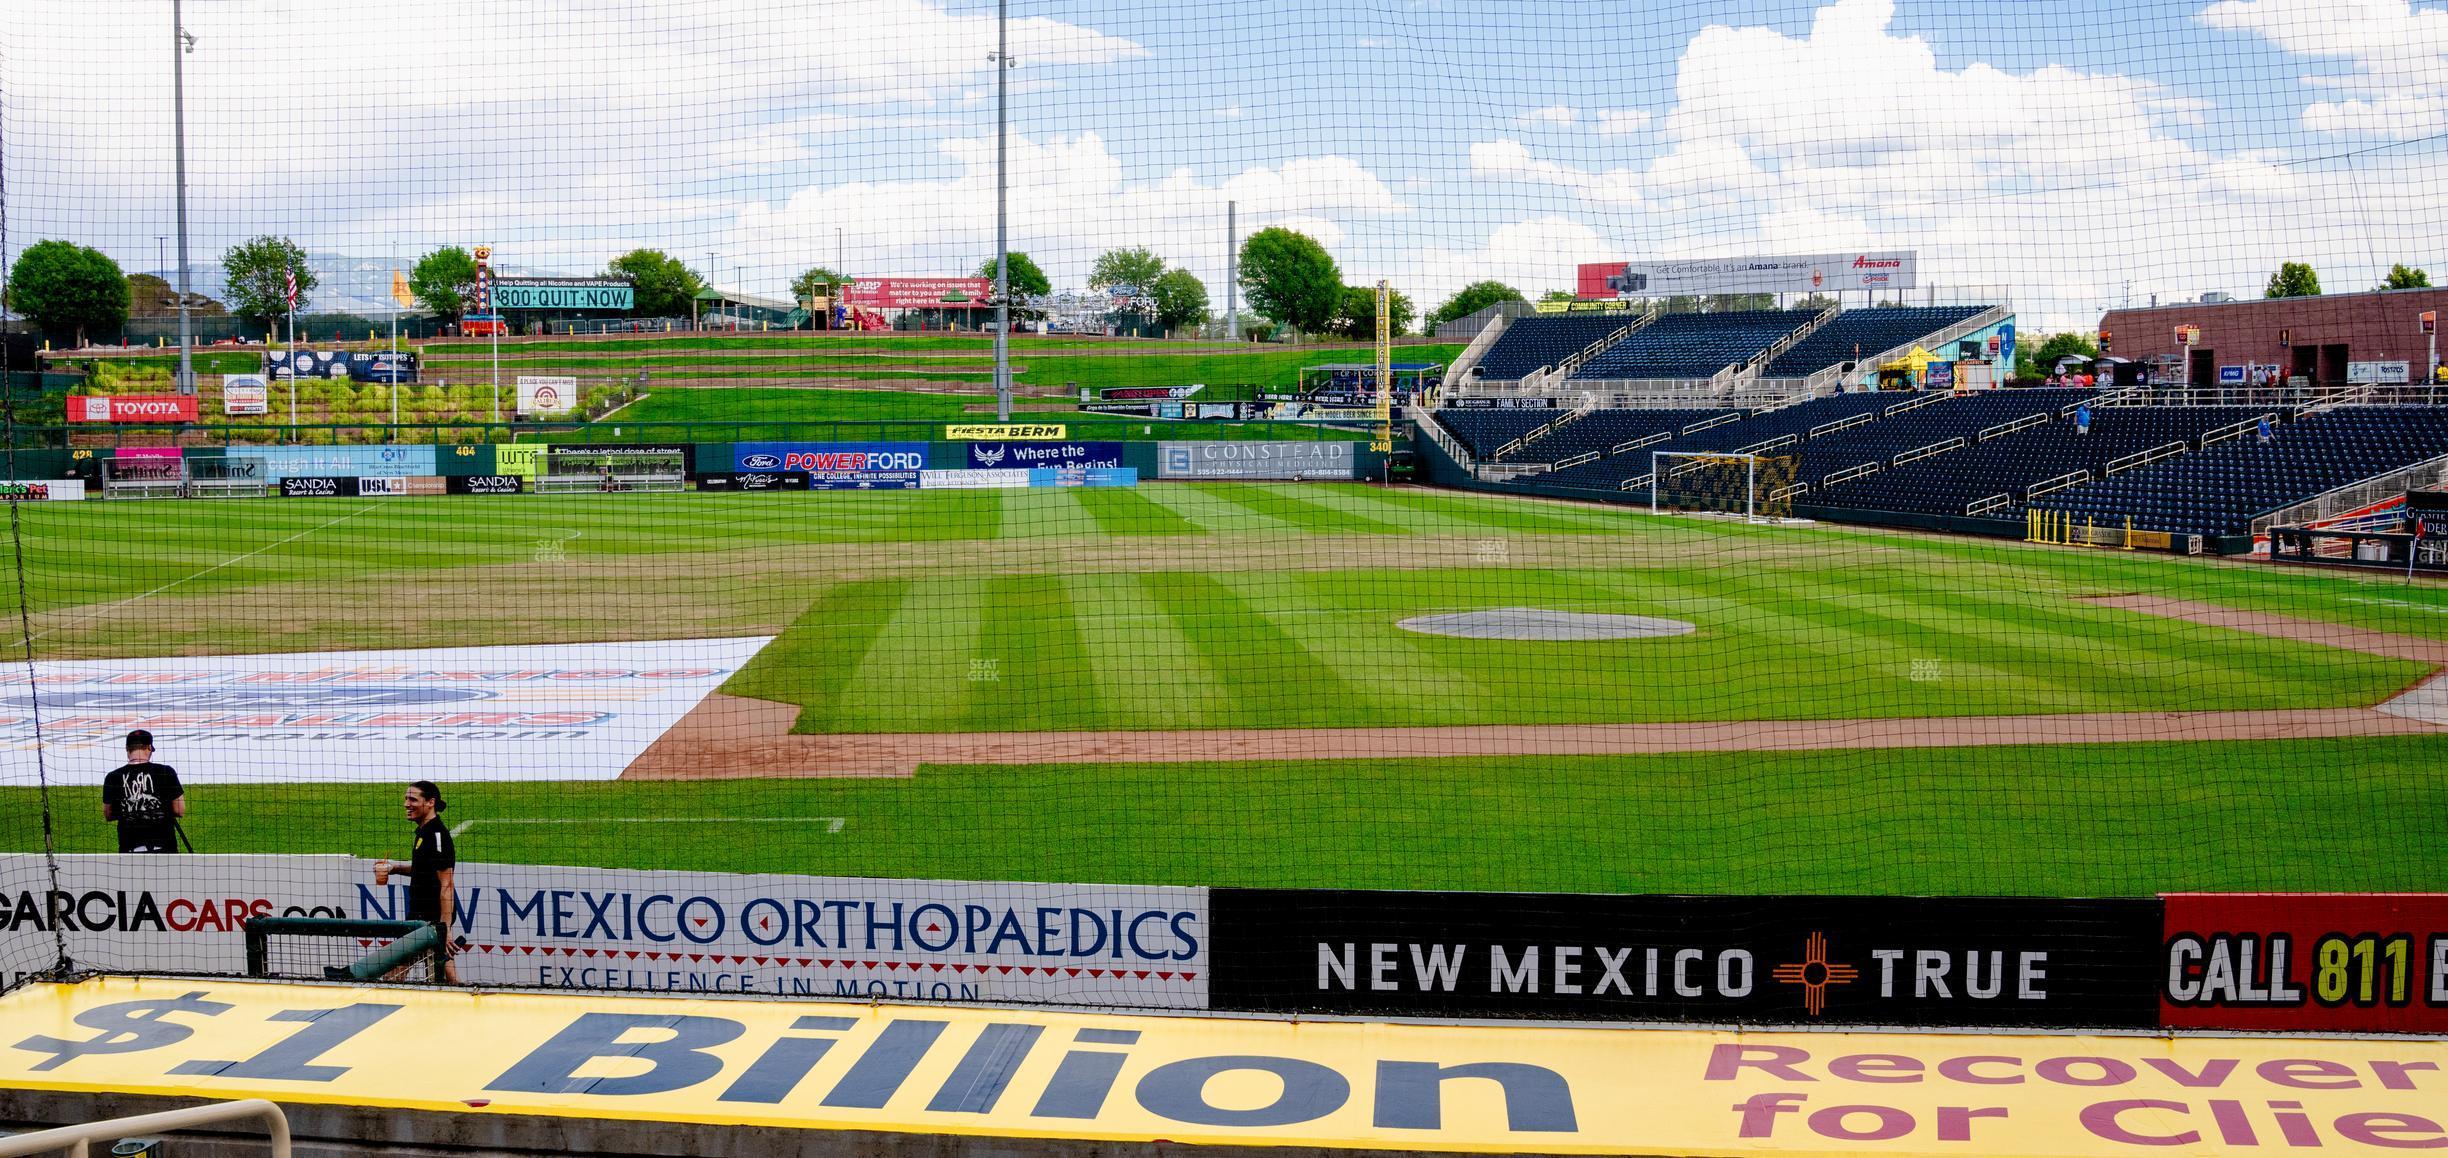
(1535, 623)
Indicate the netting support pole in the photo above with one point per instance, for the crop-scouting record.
(1002, 347)
(180, 46)
(1751, 492)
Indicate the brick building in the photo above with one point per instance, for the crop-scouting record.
(2318, 338)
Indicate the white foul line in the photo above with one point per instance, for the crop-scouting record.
(106, 608)
(832, 824)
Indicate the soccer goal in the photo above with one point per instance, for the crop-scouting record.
(1754, 486)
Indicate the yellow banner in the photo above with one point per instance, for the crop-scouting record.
(1017, 432)
(1014, 1073)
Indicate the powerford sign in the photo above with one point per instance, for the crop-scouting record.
(1257, 460)
(1015, 455)
(835, 462)
(131, 408)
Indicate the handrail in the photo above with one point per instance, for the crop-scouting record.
(1846, 423)
(1637, 443)
(2211, 438)
(1918, 453)
(2005, 428)
(1850, 473)
(2053, 485)
(72, 1139)
(1766, 445)
(1576, 460)
(2359, 493)
(1719, 420)
(1982, 506)
(2142, 458)
(1916, 403)
(1433, 425)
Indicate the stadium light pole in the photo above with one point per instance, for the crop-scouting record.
(1002, 352)
(180, 45)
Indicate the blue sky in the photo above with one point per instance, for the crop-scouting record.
(2068, 154)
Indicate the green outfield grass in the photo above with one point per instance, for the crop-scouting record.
(2108, 820)
(1273, 605)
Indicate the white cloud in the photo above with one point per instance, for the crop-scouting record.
(2399, 54)
(1622, 122)
(1551, 115)
(1069, 201)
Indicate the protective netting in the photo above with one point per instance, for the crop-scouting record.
(986, 694)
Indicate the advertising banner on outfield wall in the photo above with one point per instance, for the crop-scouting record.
(49, 490)
(481, 484)
(1749, 960)
(1256, 460)
(1011, 455)
(973, 480)
(588, 928)
(280, 462)
(2324, 962)
(836, 465)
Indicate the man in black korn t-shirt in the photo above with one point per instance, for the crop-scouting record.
(145, 798)
(430, 864)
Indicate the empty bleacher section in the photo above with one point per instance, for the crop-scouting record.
(1484, 432)
(1601, 431)
(1923, 428)
(1857, 334)
(1791, 422)
(2218, 490)
(1998, 471)
(1685, 346)
(1540, 341)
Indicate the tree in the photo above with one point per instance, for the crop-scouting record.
(2294, 279)
(818, 282)
(2039, 359)
(1027, 281)
(257, 273)
(1736, 303)
(444, 282)
(1472, 298)
(1290, 279)
(661, 287)
(1137, 267)
(68, 288)
(2400, 277)
(1357, 319)
(1559, 296)
(1181, 299)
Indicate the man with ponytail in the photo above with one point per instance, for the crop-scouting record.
(430, 862)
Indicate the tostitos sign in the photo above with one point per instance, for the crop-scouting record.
(1215, 1082)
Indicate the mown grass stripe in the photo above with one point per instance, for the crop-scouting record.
(1273, 680)
(1122, 511)
(1028, 663)
(1522, 516)
(1277, 502)
(814, 662)
(1148, 673)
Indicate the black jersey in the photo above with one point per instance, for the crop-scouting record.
(141, 795)
(435, 853)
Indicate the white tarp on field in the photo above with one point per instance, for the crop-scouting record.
(533, 712)
(618, 929)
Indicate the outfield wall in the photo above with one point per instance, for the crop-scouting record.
(2264, 962)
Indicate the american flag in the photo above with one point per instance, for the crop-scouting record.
(289, 276)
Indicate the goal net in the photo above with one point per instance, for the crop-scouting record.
(1755, 486)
